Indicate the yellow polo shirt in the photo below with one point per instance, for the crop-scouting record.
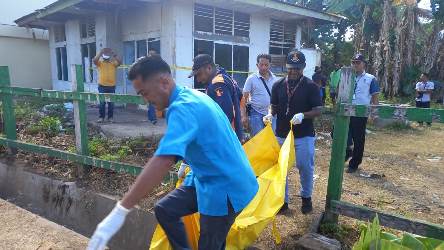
(107, 72)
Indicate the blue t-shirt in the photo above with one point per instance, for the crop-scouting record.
(199, 132)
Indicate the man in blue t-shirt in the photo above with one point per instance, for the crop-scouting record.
(198, 133)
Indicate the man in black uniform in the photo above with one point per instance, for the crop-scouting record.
(296, 100)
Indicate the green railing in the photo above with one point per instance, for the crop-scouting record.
(79, 99)
(334, 205)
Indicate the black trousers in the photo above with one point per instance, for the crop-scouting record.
(183, 201)
(356, 137)
(424, 105)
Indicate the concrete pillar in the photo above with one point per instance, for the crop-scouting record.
(73, 48)
(53, 58)
(298, 40)
(177, 38)
(108, 33)
(259, 38)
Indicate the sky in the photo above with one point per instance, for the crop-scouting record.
(12, 10)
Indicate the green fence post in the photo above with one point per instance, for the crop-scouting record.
(80, 122)
(9, 123)
(339, 145)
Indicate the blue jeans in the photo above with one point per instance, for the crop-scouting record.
(257, 122)
(102, 106)
(152, 113)
(305, 159)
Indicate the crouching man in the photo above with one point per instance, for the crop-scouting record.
(197, 132)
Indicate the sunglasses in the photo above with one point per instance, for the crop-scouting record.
(356, 62)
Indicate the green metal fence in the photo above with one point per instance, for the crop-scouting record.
(79, 99)
(334, 205)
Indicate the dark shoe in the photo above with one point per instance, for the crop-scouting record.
(306, 207)
(284, 208)
(154, 122)
(351, 170)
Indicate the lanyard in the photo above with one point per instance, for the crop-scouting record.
(290, 92)
(357, 81)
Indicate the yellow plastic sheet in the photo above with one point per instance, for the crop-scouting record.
(270, 163)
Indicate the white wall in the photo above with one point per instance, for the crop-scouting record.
(177, 38)
(313, 59)
(26, 53)
(259, 38)
(141, 23)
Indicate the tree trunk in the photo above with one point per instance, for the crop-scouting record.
(434, 44)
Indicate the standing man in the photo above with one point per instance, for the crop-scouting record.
(321, 81)
(295, 100)
(257, 94)
(221, 88)
(107, 62)
(424, 89)
(335, 78)
(365, 93)
(198, 132)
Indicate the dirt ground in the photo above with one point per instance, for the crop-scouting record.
(407, 168)
(402, 172)
(23, 230)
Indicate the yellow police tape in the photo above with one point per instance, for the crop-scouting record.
(175, 67)
(271, 164)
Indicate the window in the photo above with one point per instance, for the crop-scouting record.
(88, 29)
(62, 64)
(241, 63)
(154, 45)
(282, 37)
(203, 18)
(136, 49)
(59, 33)
(88, 53)
(221, 21)
(141, 48)
(223, 55)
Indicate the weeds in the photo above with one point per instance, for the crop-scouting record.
(49, 126)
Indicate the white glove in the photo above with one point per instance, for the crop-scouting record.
(268, 119)
(181, 171)
(297, 119)
(108, 227)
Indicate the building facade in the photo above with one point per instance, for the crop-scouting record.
(234, 32)
(26, 53)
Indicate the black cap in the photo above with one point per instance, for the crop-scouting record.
(359, 57)
(296, 59)
(199, 61)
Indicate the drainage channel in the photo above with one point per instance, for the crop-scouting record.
(73, 207)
